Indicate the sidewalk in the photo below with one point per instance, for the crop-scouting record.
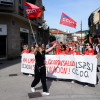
(18, 87)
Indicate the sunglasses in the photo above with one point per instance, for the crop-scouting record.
(86, 45)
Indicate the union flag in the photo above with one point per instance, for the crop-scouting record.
(32, 10)
(66, 20)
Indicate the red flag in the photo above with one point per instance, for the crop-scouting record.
(74, 43)
(90, 39)
(98, 40)
(66, 20)
(53, 42)
(32, 10)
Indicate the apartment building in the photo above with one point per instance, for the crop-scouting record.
(94, 24)
(15, 30)
(62, 35)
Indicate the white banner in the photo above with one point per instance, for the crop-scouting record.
(28, 63)
(77, 67)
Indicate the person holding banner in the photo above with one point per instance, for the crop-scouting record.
(40, 70)
(90, 51)
(25, 49)
(74, 51)
(63, 49)
(32, 50)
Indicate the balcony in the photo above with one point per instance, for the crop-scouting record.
(7, 6)
(7, 2)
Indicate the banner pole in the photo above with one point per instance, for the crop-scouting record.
(32, 30)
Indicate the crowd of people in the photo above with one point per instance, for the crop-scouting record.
(68, 49)
(76, 49)
(57, 49)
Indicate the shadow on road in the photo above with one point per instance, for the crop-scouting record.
(8, 63)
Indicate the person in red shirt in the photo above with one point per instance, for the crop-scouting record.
(74, 50)
(58, 51)
(32, 50)
(63, 50)
(88, 50)
(25, 49)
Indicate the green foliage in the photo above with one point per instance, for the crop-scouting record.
(52, 38)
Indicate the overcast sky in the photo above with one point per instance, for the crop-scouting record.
(76, 9)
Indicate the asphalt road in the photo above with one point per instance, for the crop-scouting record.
(17, 86)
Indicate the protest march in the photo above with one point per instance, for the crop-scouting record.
(60, 60)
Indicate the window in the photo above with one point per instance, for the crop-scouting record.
(20, 4)
(31, 1)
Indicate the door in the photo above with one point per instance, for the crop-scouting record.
(3, 46)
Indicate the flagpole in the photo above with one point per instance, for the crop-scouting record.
(32, 29)
(81, 31)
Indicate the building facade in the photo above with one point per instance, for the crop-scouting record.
(58, 33)
(94, 24)
(62, 35)
(69, 37)
(79, 37)
(15, 30)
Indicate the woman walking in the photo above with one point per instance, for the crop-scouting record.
(40, 70)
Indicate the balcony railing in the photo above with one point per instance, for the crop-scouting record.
(7, 2)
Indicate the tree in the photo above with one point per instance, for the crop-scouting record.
(52, 38)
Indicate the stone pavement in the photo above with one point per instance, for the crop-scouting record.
(18, 87)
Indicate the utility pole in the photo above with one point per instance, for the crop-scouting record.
(81, 31)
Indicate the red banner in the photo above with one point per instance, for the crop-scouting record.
(53, 42)
(32, 10)
(66, 20)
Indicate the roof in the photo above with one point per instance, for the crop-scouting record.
(68, 33)
(84, 31)
(56, 32)
(81, 38)
(80, 33)
(75, 36)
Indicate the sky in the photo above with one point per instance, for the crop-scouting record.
(78, 10)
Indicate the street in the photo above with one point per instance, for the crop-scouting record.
(15, 85)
